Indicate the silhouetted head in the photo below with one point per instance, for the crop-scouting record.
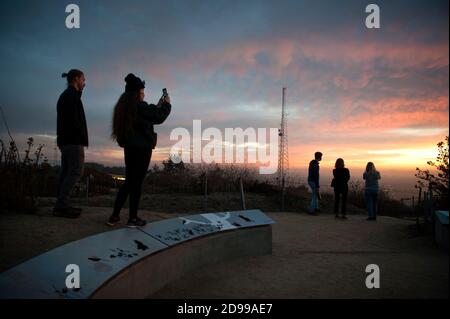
(135, 84)
(370, 168)
(318, 156)
(124, 117)
(339, 163)
(75, 78)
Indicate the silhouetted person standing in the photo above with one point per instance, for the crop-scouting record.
(341, 176)
(313, 182)
(133, 130)
(72, 137)
(371, 176)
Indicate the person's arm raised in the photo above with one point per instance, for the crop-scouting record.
(156, 114)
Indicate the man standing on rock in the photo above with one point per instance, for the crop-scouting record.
(72, 137)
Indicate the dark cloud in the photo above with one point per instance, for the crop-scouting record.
(225, 61)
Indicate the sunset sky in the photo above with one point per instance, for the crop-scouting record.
(361, 94)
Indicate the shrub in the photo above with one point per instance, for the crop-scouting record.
(22, 180)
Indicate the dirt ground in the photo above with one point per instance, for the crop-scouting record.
(313, 256)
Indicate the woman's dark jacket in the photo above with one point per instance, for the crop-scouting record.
(144, 134)
(341, 178)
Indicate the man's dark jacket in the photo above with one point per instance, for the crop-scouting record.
(71, 125)
(313, 172)
(144, 134)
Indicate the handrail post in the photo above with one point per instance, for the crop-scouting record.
(205, 197)
(242, 193)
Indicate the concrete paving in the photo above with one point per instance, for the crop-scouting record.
(313, 257)
(320, 257)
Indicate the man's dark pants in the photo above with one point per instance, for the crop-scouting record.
(72, 165)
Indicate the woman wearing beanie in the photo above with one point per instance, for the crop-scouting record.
(132, 129)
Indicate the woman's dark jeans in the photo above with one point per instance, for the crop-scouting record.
(136, 166)
(340, 194)
(372, 202)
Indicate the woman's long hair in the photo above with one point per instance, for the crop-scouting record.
(339, 163)
(124, 117)
(370, 168)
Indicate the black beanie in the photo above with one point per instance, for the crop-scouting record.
(133, 83)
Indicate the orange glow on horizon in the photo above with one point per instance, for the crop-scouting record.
(399, 158)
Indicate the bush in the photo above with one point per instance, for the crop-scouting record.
(386, 204)
(182, 178)
(22, 180)
(438, 182)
